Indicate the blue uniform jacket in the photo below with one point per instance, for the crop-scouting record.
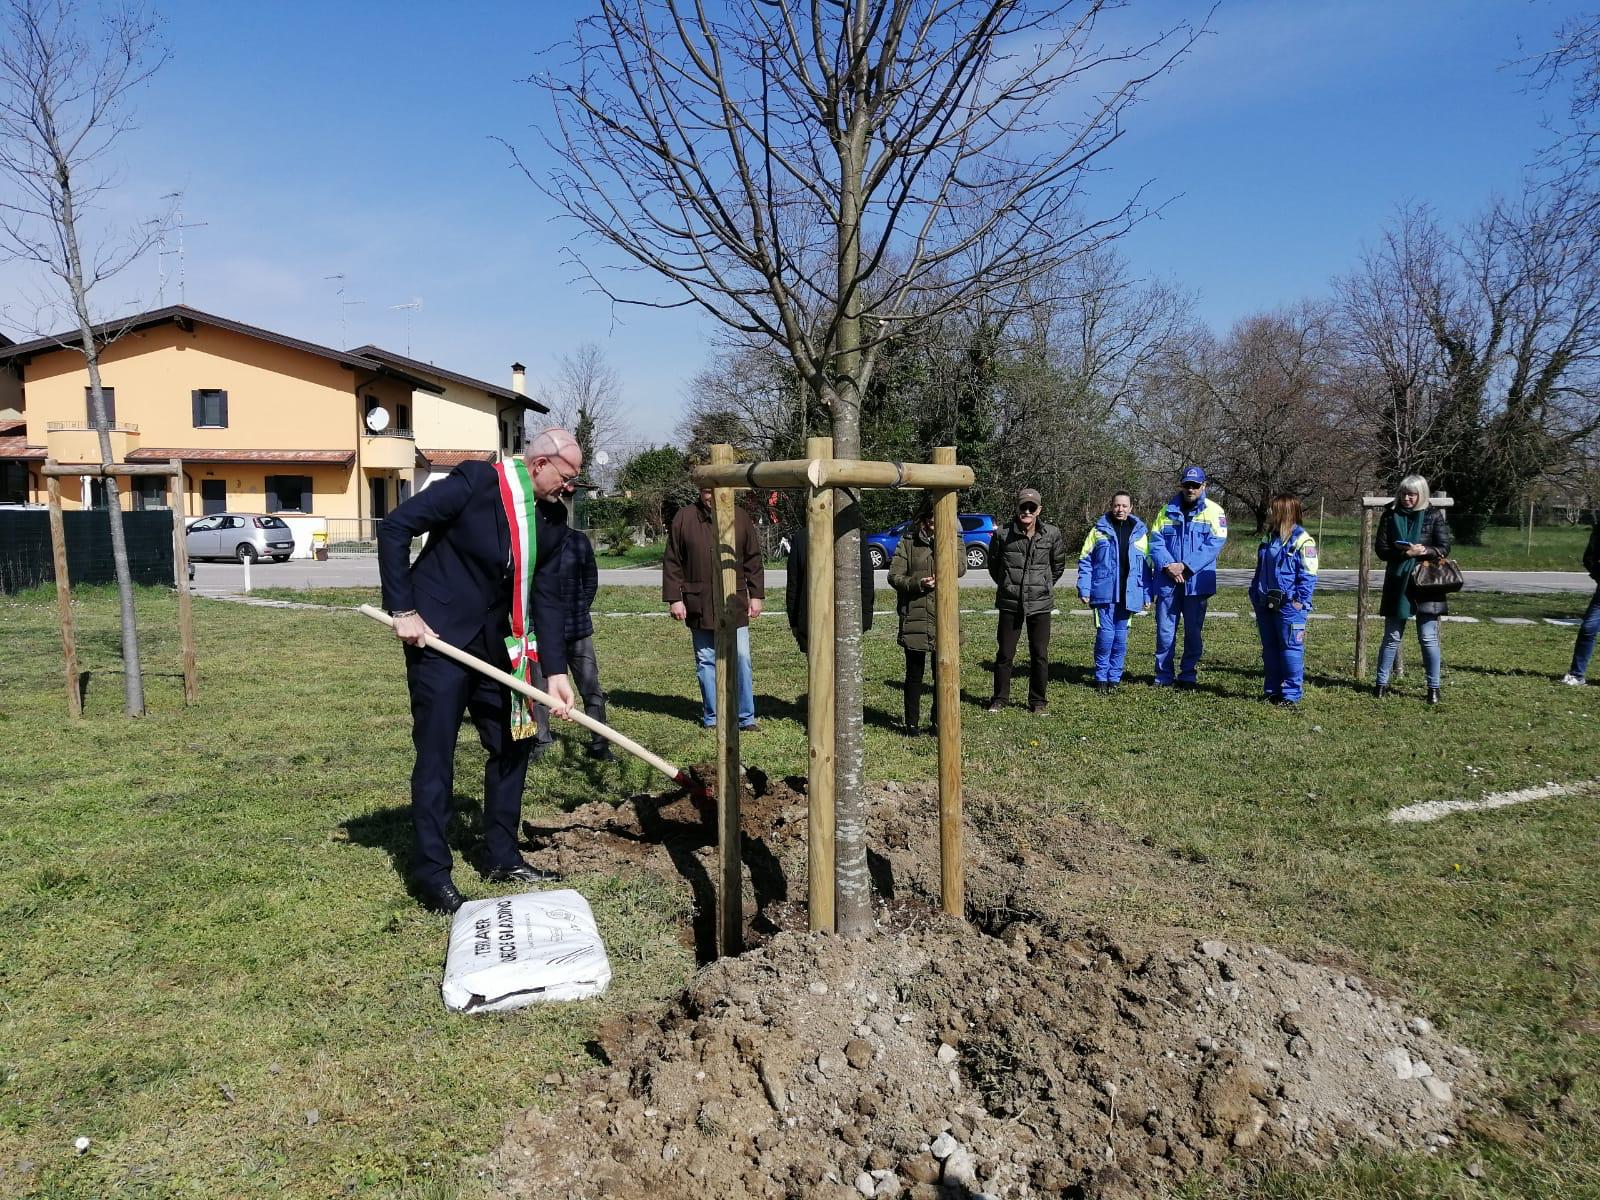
(1288, 566)
(1100, 559)
(1195, 539)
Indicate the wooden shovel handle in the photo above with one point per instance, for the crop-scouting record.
(676, 774)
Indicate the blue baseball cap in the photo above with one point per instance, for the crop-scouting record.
(1194, 475)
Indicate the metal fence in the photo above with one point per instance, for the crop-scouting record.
(353, 536)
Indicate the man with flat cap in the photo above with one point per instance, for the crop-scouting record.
(1186, 539)
(473, 587)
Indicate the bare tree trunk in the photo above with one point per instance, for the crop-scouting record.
(853, 887)
(133, 678)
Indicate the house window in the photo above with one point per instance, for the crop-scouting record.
(210, 408)
(97, 493)
(13, 483)
(150, 491)
(288, 493)
(516, 435)
(505, 436)
(402, 491)
(111, 405)
(402, 418)
(213, 495)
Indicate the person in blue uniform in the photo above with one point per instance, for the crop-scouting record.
(1281, 592)
(1186, 539)
(1114, 580)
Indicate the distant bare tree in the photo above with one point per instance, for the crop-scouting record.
(586, 397)
(66, 75)
(815, 174)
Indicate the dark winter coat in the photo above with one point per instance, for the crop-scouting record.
(1399, 597)
(1591, 553)
(689, 565)
(912, 563)
(573, 575)
(796, 598)
(1025, 569)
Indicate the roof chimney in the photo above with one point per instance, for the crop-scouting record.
(519, 379)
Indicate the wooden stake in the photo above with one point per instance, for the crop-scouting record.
(947, 691)
(819, 696)
(69, 640)
(180, 573)
(1364, 561)
(730, 892)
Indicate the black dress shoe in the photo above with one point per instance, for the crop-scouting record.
(440, 897)
(1433, 695)
(1381, 690)
(521, 873)
(1187, 685)
(602, 753)
(1103, 687)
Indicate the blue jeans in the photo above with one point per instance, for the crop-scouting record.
(1173, 607)
(1394, 630)
(1586, 638)
(1283, 652)
(1110, 642)
(705, 666)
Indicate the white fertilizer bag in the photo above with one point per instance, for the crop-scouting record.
(523, 949)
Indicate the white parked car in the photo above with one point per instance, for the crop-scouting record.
(247, 537)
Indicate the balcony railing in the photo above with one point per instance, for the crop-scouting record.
(391, 433)
(87, 427)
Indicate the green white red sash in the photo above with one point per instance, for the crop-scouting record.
(517, 498)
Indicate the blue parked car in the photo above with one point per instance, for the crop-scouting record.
(976, 530)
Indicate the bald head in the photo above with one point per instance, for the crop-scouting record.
(554, 460)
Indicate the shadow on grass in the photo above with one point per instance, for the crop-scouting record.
(390, 830)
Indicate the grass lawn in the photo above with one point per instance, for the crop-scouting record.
(211, 968)
(1554, 548)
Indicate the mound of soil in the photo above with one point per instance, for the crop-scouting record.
(1029, 1052)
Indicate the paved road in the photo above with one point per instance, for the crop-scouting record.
(363, 572)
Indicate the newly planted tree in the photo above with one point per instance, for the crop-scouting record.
(816, 174)
(66, 75)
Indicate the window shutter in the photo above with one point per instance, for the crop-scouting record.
(199, 409)
(305, 493)
(222, 405)
(272, 494)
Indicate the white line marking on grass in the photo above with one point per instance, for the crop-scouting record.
(1434, 809)
(1564, 622)
(1460, 620)
(1511, 620)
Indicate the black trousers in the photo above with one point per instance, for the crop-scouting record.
(583, 669)
(1011, 626)
(916, 665)
(441, 690)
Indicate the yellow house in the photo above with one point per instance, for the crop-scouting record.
(262, 422)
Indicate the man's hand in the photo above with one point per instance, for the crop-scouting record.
(412, 629)
(929, 582)
(1083, 598)
(755, 607)
(559, 689)
(1175, 569)
(679, 611)
(1416, 550)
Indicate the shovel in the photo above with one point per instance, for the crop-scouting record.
(677, 774)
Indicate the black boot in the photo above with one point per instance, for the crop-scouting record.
(1103, 687)
(1381, 690)
(1433, 695)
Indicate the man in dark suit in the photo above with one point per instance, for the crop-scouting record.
(460, 590)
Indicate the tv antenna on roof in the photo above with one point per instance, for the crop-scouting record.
(344, 310)
(413, 305)
(162, 251)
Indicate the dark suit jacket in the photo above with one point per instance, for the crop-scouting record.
(461, 582)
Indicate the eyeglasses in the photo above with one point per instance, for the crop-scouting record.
(1027, 508)
(1189, 483)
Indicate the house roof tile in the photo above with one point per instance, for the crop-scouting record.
(333, 458)
(439, 459)
(411, 364)
(17, 447)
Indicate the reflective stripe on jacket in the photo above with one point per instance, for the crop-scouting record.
(1195, 539)
(1287, 566)
(1100, 559)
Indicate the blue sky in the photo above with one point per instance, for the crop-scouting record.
(356, 138)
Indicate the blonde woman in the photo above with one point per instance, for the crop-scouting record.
(1408, 532)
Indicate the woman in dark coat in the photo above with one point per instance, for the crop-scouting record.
(911, 576)
(1408, 532)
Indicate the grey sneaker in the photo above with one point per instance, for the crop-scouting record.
(1572, 680)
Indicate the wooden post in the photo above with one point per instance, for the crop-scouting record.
(819, 696)
(180, 574)
(947, 691)
(69, 639)
(730, 897)
(1364, 560)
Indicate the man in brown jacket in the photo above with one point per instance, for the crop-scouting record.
(689, 586)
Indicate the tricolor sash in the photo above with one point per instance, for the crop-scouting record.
(522, 648)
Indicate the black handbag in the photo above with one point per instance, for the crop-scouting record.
(1438, 575)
